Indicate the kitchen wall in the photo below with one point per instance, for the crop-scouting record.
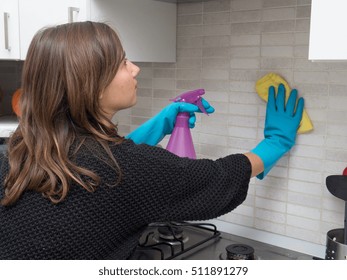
(225, 46)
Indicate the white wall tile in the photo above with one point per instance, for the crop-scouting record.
(241, 87)
(278, 3)
(216, 52)
(213, 139)
(308, 235)
(192, 63)
(243, 110)
(216, 6)
(240, 5)
(304, 175)
(190, 8)
(246, 16)
(245, 51)
(187, 54)
(303, 211)
(277, 39)
(303, 11)
(189, 19)
(270, 204)
(270, 226)
(244, 63)
(245, 210)
(338, 77)
(278, 14)
(273, 182)
(248, 28)
(306, 163)
(304, 199)
(302, 25)
(302, 38)
(304, 187)
(188, 74)
(270, 193)
(239, 219)
(216, 29)
(242, 144)
(186, 30)
(277, 51)
(274, 217)
(278, 26)
(189, 42)
(332, 217)
(217, 18)
(243, 132)
(277, 63)
(332, 204)
(164, 83)
(244, 40)
(216, 41)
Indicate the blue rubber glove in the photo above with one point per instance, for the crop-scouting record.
(281, 125)
(162, 124)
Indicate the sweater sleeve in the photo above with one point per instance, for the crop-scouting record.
(187, 189)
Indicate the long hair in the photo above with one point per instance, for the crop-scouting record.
(66, 69)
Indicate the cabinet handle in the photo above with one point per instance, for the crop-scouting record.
(7, 44)
(71, 10)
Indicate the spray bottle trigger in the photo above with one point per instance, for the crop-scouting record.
(201, 106)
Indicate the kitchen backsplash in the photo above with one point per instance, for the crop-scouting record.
(225, 46)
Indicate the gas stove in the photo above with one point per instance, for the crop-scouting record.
(203, 241)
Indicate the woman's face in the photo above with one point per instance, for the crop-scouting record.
(121, 92)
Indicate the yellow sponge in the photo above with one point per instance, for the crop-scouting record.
(272, 79)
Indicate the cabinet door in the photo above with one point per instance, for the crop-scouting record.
(9, 30)
(37, 14)
(328, 40)
(147, 28)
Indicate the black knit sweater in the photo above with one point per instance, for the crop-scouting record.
(157, 186)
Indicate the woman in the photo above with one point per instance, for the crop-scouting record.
(72, 188)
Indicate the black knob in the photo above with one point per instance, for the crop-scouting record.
(240, 252)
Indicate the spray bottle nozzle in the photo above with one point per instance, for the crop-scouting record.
(193, 97)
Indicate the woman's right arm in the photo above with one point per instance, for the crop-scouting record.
(256, 162)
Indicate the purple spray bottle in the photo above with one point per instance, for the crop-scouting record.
(181, 142)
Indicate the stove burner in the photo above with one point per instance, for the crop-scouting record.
(238, 252)
(171, 239)
(170, 233)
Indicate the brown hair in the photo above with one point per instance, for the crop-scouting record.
(66, 69)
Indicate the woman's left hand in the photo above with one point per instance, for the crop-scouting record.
(209, 109)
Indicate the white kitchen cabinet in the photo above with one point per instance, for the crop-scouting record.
(147, 28)
(26, 17)
(9, 29)
(36, 14)
(328, 40)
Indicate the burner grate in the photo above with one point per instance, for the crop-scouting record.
(174, 242)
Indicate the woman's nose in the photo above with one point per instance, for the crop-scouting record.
(135, 69)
